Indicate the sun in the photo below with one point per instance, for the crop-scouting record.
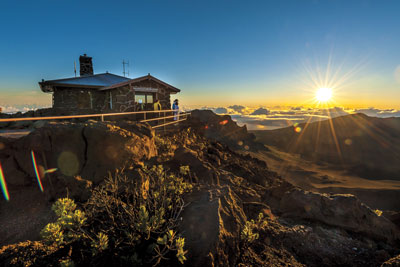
(323, 94)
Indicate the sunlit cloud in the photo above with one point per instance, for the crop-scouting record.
(260, 111)
(21, 108)
(269, 118)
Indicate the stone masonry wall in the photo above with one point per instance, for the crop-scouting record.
(123, 98)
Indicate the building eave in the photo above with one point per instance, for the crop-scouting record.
(139, 79)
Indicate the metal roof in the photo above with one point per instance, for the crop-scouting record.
(92, 81)
(102, 81)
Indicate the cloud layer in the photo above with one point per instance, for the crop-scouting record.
(264, 118)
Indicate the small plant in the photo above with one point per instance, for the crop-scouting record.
(378, 212)
(67, 263)
(140, 215)
(67, 227)
(167, 241)
(53, 233)
(100, 243)
(127, 221)
(248, 233)
(184, 170)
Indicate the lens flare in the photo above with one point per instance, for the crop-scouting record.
(50, 170)
(4, 185)
(36, 171)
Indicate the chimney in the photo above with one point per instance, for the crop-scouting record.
(86, 65)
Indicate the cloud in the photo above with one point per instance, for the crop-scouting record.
(221, 111)
(264, 118)
(381, 113)
(332, 112)
(20, 108)
(260, 111)
(237, 108)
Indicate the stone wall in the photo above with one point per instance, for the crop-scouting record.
(123, 98)
(78, 98)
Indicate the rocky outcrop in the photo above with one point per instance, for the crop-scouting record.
(224, 130)
(343, 211)
(90, 150)
(211, 225)
(84, 155)
(229, 188)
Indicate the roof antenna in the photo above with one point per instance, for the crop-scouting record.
(126, 73)
(75, 67)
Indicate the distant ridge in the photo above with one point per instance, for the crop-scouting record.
(367, 146)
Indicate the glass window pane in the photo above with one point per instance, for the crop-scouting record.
(149, 98)
(141, 99)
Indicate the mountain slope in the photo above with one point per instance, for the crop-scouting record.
(366, 146)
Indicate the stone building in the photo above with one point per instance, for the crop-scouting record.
(106, 92)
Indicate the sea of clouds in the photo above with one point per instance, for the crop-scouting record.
(20, 108)
(263, 118)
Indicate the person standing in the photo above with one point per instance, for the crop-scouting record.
(175, 108)
(157, 105)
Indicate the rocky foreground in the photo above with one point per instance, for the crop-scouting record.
(228, 207)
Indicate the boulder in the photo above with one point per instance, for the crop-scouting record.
(203, 171)
(224, 130)
(89, 149)
(344, 211)
(211, 226)
(108, 147)
(14, 176)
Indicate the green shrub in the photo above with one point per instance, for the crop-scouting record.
(67, 263)
(129, 220)
(67, 228)
(141, 214)
(378, 212)
(249, 234)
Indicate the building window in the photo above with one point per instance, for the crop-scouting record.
(149, 98)
(144, 98)
(141, 99)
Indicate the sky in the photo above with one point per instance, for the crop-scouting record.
(219, 53)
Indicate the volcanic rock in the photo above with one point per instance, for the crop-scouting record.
(224, 130)
(344, 211)
(211, 225)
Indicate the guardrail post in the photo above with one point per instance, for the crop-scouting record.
(164, 123)
(102, 118)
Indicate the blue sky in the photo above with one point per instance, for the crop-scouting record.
(217, 52)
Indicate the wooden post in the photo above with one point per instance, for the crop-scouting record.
(164, 123)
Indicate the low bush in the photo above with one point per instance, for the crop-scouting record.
(127, 221)
(250, 229)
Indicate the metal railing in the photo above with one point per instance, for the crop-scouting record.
(102, 115)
